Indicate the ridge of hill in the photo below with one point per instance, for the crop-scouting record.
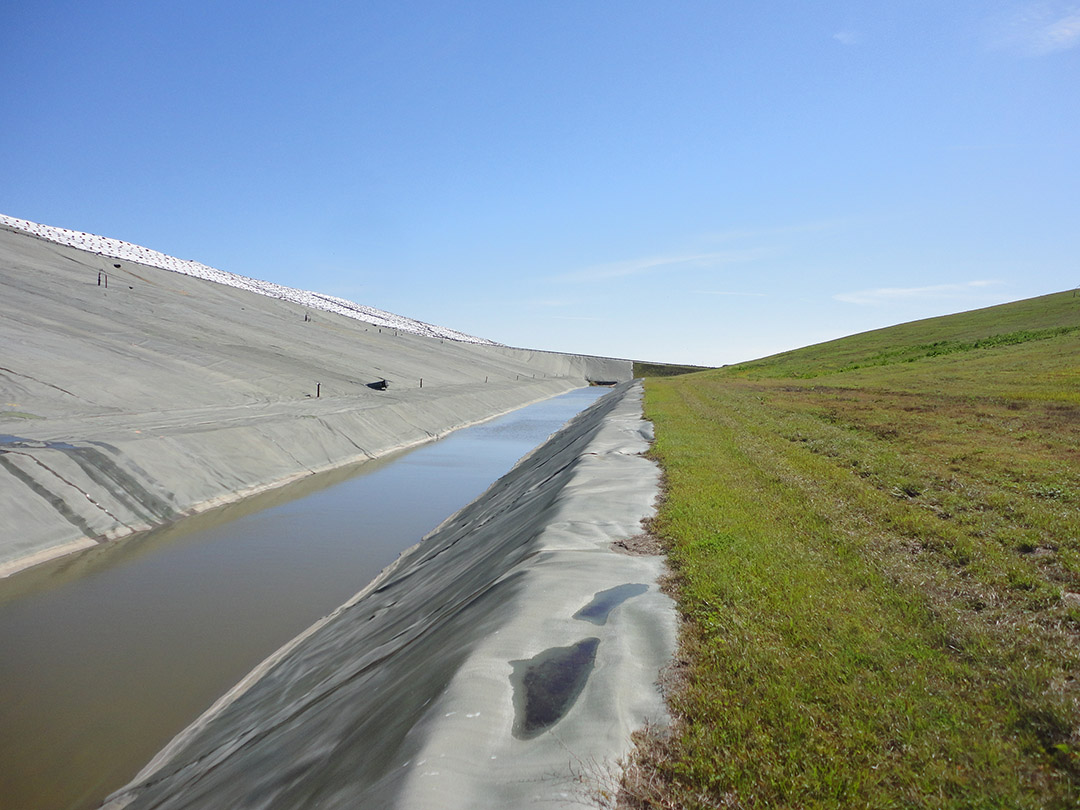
(1016, 322)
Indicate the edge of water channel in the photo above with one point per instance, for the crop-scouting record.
(423, 435)
(514, 567)
(264, 666)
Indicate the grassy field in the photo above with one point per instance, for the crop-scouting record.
(875, 543)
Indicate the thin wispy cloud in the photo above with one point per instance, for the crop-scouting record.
(890, 295)
(654, 264)
(1036, 29)
(848, 37)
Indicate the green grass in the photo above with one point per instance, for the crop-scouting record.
(909, 354)
(879, 570)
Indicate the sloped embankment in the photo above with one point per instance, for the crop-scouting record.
(127, 402)
(879, 569)
(508, 650)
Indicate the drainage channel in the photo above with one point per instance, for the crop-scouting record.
(109, 653)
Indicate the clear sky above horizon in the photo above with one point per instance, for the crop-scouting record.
(695, 182)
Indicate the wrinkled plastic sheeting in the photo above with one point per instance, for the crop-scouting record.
(166, 395)
(404, 697)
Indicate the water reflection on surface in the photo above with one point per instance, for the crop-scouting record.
(108, 653)
(598, 610)
(546, 685)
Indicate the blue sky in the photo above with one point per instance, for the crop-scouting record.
(700, 182)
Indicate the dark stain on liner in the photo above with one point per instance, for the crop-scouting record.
(55, 501)
(598, 610)
(546, 685)
(99, 468)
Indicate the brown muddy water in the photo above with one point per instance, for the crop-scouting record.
(107, 654)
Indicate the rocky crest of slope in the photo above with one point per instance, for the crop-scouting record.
(107, 247)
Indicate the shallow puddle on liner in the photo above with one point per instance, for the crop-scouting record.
(598, 610)
(107, 653)
(546, 685)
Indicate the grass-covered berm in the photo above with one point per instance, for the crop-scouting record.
(875, 546)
